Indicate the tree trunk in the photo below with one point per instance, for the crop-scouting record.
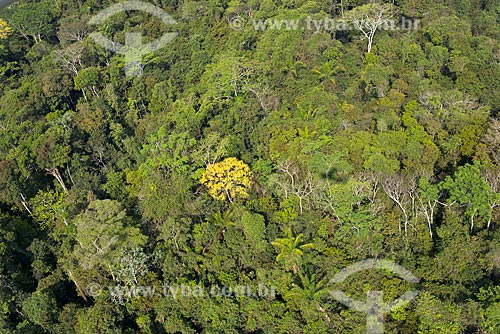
(80, 290)
(55, 173)
(24, 204)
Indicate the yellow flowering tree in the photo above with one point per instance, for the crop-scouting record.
(5, 30)
(228, 180)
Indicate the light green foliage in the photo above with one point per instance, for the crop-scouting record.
(291, 250)
(49, 209)
(103, 232)
(437, 316)
(104, 317)
(469, 189)
(227, 78)
(88, 78)
(348, 155)
(490, 316)
(254, 228)
(376, 76)
(41, 309)
(383, 156)
(211, 149)
(34, 20)
(428, 198)
(167, 152)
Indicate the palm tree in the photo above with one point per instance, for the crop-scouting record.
(309, 292)
(292, 66)
(291, 251)
(309, 289)
(327, 73)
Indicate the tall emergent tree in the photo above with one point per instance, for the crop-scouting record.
(369, 18)
(228, 180)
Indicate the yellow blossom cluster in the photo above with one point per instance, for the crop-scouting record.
(5, 30)
(228, 180)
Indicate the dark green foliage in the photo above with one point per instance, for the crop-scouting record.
(388, 154)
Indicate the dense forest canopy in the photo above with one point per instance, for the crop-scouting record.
(260, 148)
